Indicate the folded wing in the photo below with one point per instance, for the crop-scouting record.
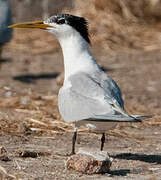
(94, 97)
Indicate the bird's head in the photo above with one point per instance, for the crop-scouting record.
(61, 25)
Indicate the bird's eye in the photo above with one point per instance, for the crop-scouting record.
(61, 21)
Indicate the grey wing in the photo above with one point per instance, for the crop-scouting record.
(110, 87)
(114, 91)
(74, 106)
(88, 98)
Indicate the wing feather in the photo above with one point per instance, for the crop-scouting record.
(89, 96)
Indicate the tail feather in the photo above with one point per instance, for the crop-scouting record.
(141, 117)
(118, 118)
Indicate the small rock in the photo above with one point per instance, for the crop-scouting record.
(6, 88)
(8, 94)
(4, 154)
(25, 100)
(60, 79)
(32, 154)
(90, 162)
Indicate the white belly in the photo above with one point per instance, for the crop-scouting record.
(97, 126)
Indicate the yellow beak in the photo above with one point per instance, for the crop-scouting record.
(34, 24)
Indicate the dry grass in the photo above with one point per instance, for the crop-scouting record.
(34, 41)
(25, 114)
(37, 115)
(115, 25)
(122, 25)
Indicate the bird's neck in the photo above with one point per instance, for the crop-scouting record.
(77, 56)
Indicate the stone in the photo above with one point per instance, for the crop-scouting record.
(4, 154)
(60, 79)
(90, 162)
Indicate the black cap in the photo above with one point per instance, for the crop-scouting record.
(78, 23)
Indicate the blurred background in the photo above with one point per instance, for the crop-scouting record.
(126, 42)
(124, 23)
(24, 10)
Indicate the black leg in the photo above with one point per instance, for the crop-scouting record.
(73, 141)
(102, 141)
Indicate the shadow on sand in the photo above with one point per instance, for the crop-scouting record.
(151, 158)
(107, 69)
(31, 78)
(5, 60)
(121, 172)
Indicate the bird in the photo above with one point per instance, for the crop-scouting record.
(5, 21)
(88, 96)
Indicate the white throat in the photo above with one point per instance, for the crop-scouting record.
(77, 56)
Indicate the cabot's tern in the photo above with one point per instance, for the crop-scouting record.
(88, 96)
(5, 21)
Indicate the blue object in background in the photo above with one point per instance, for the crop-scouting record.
(5, 20)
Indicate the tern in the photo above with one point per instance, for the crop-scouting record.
(88, 96)
(5, 20)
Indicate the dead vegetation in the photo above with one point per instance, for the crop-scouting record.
(30, 117)
(115, 25)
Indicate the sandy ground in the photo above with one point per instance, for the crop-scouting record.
(30, 121)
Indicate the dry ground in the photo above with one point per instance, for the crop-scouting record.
(29, 119)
